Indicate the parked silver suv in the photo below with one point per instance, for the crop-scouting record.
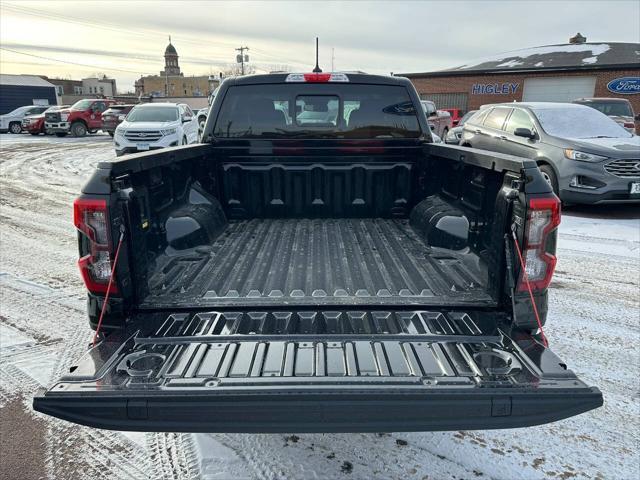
(582, 153)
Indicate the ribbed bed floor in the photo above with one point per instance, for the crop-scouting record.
(317, 261)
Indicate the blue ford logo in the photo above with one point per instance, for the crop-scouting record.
(624, 85)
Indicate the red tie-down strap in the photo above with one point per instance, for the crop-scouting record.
(526, 281)
(106, 295)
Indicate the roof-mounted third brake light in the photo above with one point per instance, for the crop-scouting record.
(317, 77)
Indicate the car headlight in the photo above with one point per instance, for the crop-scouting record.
(121, 131)
(451, 135)
(64, 117)
(582, 156)
(168, 131)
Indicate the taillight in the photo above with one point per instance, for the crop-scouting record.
(629, 125)
(91, 218)
(543, 218)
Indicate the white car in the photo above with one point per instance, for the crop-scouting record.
(151, 126)
(12, 121)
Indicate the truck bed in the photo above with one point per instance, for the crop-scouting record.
(318, 261)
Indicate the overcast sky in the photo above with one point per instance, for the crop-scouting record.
(127, 39)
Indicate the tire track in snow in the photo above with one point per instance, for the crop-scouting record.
(43, 298)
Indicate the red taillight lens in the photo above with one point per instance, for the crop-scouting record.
(317, 77)
(90, 217)
(629, 125)
(543, 218)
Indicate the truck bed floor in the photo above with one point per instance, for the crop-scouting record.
(317, 261)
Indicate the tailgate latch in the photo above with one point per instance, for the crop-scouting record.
(500, 406)
(137, 409)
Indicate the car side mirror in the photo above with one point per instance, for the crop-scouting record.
(525, 133)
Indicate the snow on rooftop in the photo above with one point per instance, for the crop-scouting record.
(510, 63)
(517, 57)
(24, 80)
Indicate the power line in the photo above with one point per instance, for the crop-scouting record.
(103, 25)
(98, 67)
(139, 31)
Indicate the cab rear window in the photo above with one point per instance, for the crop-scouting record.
(317, 111)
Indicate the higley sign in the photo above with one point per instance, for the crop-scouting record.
(494, 88)
(624, 85)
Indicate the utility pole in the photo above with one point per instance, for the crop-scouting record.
(242, 57)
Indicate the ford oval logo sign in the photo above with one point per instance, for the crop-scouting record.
(624, 85)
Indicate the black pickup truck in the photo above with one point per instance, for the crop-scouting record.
(317, 265)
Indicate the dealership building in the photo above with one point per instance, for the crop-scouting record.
(553, 73)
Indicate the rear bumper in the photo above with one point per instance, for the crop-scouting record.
(599, 198)
(369, 410)
(109, 126)
(128, 150)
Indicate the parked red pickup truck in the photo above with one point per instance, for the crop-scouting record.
(456, 115)
(83, 116)
(34, 124)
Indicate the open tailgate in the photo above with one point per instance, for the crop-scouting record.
(312, 371)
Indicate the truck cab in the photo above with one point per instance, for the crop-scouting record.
(440, 119)
(84, 116)
(317, 264)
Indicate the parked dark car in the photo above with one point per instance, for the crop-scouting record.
(619, 109)
(113, 116)
(317, 264)
(455, 134)
(585, 155)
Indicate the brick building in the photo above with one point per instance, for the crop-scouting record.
(172, 82)
(554, 73)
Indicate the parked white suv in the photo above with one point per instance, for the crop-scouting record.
(156, 125)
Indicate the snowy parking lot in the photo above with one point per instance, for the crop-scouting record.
(594, 325)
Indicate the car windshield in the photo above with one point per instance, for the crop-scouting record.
(81, 105)
(153, 114)
(615, 109)
(578, 122)
(317, 110)
(466, 117)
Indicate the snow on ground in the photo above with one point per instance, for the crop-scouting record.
(593, 325)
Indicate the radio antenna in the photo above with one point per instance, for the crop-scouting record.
(317, 69)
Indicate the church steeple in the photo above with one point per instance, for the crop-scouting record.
(171, 66)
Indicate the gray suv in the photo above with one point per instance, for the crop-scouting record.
(582, 153)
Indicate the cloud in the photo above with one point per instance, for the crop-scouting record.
(378, 37)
